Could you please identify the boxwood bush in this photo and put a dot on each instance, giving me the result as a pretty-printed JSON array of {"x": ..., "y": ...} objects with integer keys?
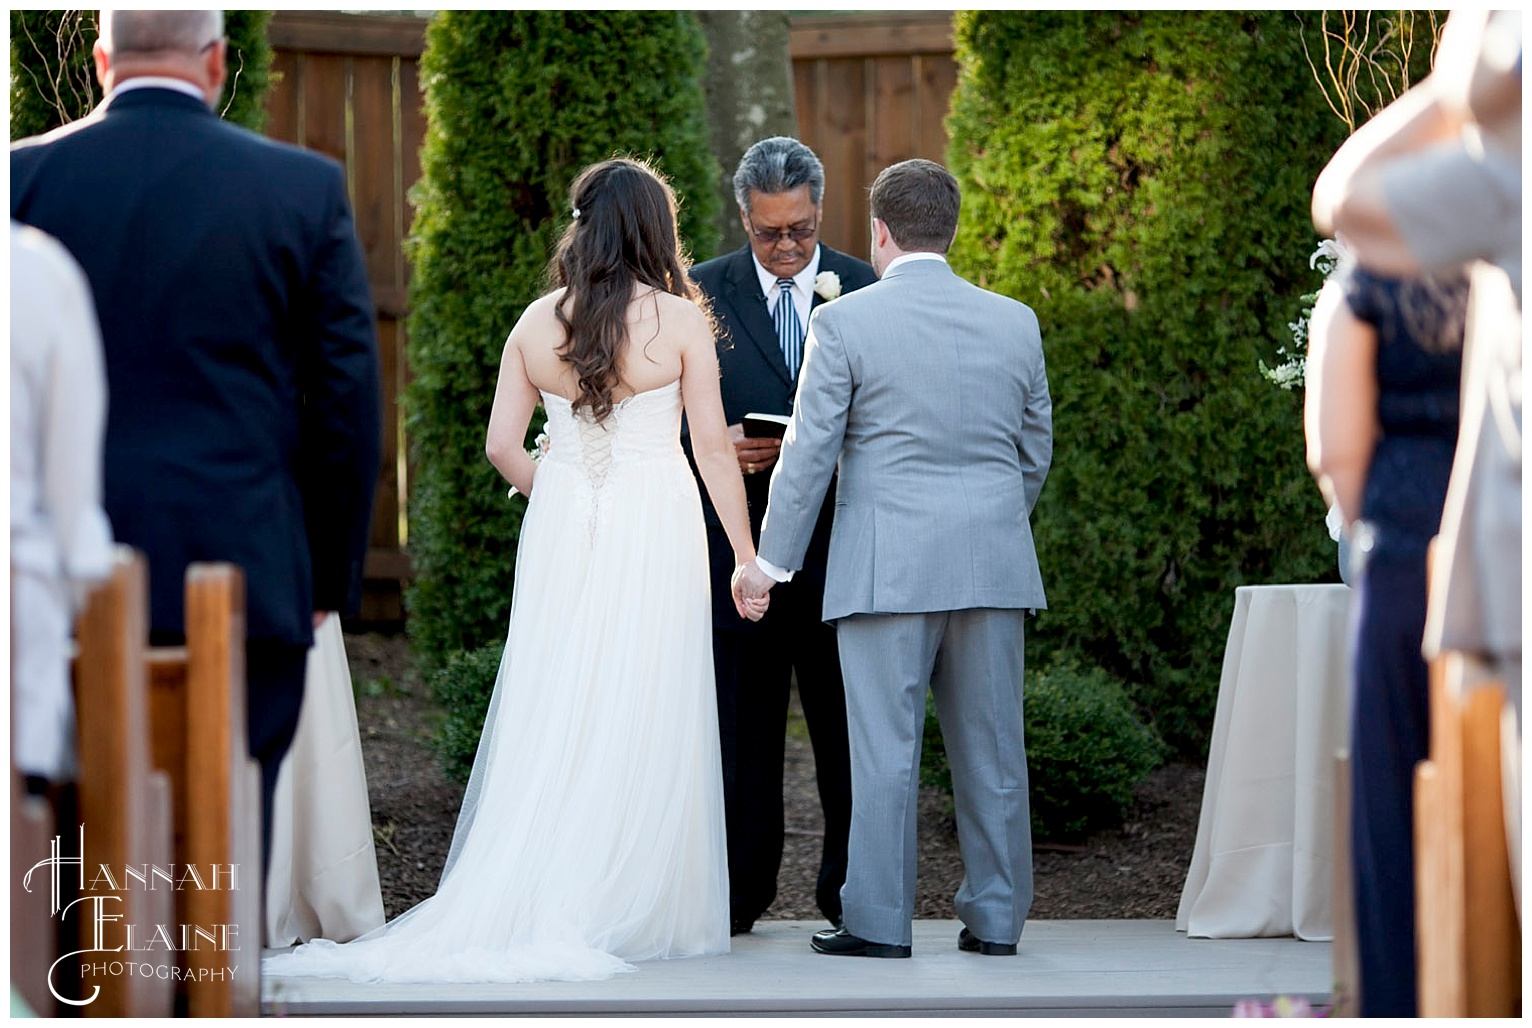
[
  {"x": 1087, "y": 751},
  {"x": 1142, "y": 179},
  {"x": 462, "y": 685},
  {"x": 517, "y": 103}
]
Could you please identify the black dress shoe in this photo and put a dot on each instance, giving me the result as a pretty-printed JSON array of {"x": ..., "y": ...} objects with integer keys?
[
  {"x": 837, "y": 942},
  {"x": 740, "y": 927},
  {"x": 968, "y": 942}
]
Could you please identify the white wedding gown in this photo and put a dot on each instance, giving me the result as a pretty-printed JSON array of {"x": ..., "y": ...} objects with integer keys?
[{"x": 592, "y": 830}]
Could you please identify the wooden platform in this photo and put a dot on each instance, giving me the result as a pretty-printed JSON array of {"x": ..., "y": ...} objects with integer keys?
[{"x": 1063, "y": 968}]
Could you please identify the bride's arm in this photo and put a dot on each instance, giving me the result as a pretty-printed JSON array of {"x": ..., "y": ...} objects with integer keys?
[
  {"x": 515, "y": 400},
  {"x": 711, "y": 446}
]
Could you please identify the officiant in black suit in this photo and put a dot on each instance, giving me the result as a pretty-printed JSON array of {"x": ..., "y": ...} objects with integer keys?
[
  {"x": 242, "y": 369},
  {"x": 762, "y": 295}
]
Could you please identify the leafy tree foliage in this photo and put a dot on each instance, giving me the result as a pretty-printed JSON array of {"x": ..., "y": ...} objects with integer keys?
[
  {"x": 1142, "y": 179},
  {"x": 53, "y": 77},
  {"x": 517, "y": 103}
]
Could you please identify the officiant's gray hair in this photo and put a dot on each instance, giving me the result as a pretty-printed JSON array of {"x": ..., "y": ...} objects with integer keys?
[
  {"x": 778, "y": 165},
  {"x": 142, "y": 32}
]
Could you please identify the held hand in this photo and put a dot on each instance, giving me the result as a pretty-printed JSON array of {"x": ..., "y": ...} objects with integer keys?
[
  {"x": 751, "y": 588},
  {"x": 755, "y": 455},
  {"x": 319, "y": 616}
]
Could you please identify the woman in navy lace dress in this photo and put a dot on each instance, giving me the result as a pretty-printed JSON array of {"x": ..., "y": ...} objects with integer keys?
[{"x": 1381, "y": 418}]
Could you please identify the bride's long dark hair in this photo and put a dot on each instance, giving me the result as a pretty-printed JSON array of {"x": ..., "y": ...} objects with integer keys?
[{"x": 623, "y": 235}]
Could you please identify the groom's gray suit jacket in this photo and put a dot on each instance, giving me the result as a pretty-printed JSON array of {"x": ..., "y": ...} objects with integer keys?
[{"x": 932, "y": 395}]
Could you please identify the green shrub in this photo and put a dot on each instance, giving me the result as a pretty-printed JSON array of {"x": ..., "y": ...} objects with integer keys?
[
  {"x": 517, "y": 103},
  {"x": 53, "y": 78},
  {"x": 1142, "y": 179},
  {"x": 1087, "y": 752},
  {"x": 462, "y": 685}
]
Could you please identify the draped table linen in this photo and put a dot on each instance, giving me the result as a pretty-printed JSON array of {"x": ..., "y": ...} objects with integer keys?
[{"x": 1263, "y": 863}]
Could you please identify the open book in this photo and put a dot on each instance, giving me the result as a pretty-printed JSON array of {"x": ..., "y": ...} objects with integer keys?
[{"x": 765, "y": 426}]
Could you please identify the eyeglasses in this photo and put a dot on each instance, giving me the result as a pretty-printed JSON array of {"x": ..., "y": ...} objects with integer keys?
[
  {"x": 771, "y": 237},
  {"x": 208, "y": 46}
]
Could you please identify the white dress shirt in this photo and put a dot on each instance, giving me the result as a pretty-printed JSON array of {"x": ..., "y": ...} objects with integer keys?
[
  {"x": 158, "y": 82},
  {"x": 803, "y": 286}
]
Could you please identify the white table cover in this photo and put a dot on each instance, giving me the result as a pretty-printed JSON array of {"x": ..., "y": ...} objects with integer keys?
[
  {"x": 323, "y": 880},
  {"x": 1263, "y": 861}
]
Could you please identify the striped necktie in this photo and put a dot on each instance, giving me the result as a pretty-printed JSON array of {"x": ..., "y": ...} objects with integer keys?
[{"x": 789, "y": 329}]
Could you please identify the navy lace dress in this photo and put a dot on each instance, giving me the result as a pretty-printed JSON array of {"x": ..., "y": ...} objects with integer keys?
[{"x": 1419, "y": 329}]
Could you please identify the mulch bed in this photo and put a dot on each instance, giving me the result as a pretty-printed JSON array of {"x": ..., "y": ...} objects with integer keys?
[{"x": 1134, "y": 871}]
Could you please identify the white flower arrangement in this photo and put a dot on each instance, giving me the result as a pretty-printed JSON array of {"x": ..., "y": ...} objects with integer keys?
[
  {"x": 827, "y": 284},
  {"x": 1290, "y": 373},
  {"x": 538, "y": 451}
]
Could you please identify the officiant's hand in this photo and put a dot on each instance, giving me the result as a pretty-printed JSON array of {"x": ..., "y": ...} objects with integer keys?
[{"x": 755, "y": 455}]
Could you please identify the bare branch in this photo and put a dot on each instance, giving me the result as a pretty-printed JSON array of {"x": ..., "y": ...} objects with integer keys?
[{"x": 1366, "y": 63}]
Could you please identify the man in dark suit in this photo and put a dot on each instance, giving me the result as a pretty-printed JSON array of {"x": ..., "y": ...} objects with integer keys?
[
  {"x": 241, "y": 358},
  {"x": 762, "y": 295}
]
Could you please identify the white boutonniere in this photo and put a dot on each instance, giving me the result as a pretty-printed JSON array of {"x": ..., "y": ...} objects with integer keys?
[
  {"x": 827, "y": 284},
  {"x": 538, "y": 451}
]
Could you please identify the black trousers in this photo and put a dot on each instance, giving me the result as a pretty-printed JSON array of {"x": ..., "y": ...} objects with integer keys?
[
  {"x": 754, "y": 666},
  {"x": 274, "y": 674}
]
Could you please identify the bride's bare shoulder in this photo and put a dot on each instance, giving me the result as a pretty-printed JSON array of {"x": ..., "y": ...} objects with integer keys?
[
  {"x": 539, "y": 316},
  {"x": 543, "y": 306},
  {"x": 682, "y": 314}
]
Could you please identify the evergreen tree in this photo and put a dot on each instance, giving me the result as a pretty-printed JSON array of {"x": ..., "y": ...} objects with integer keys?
[{"x": 1142, "y": 179}]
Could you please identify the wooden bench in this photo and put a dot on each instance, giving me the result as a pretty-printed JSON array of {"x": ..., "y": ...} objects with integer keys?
[
  {"x": 124, "y": 803},
  {"x": 33, "y": 925},
  {"x": 1468, "y": 934},
  {"x": 170, "y": 800},
  {"x": 199, "y": 738}
]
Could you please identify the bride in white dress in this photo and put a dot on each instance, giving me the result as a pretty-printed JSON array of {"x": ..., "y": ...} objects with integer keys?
[{"x": 592, "y": 831}]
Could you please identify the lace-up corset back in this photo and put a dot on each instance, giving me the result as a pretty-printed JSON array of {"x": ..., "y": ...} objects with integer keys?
[{"x": 642, "y": 428}]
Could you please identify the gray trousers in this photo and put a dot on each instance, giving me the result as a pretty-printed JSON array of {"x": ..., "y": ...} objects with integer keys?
[{"x": 972, "y": 662}]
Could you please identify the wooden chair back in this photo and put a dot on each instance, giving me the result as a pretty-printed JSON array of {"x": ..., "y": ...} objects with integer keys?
[
  {"x": 199, "y": 739},
  {"x": 1467, "y": 931},
  {"x": 124, "y": 804}
]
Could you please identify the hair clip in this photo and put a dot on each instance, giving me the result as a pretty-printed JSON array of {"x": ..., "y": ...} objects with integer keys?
[{"x": 576, "y": 214}]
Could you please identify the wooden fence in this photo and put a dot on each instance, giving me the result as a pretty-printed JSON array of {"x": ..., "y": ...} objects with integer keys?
[{"x": 871, "y": 89}]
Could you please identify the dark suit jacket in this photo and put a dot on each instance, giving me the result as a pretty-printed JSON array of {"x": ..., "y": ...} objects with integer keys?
[
  {"x": 241, "y": 354},
  {"x": 755, "y": 380}
]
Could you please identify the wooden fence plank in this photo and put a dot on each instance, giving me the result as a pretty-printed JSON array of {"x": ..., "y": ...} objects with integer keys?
[
  {"x": 282, "y": 98},
  {"x": 384, "y": 534},
  {"x": 323, "y": 100},
  {"x": 370, "y": 99},
  {"x": 856, "y": 35},
  {"x": 836, "y": 130},
  {"x": 330, "y": 32},
  {"x": 937, "y": 78},
  {"x": 894, "y": 112}
]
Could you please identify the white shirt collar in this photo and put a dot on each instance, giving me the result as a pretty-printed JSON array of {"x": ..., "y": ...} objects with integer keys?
[
  {"x": 919, "y": 255},
  {"x": 159, "y": 82}
]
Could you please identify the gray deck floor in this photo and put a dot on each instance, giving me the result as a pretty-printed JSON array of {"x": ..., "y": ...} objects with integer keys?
[{"x": 1063, "y": 968}]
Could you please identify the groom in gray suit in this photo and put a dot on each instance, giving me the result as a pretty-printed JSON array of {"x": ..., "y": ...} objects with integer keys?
[{"x": 931, "y": 396}]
